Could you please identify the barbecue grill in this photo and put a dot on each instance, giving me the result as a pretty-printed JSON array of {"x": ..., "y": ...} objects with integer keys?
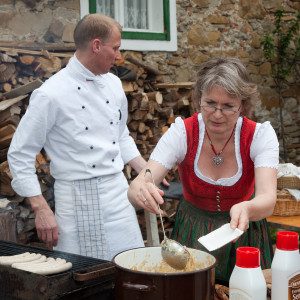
[{"x": 89, "y": 278}]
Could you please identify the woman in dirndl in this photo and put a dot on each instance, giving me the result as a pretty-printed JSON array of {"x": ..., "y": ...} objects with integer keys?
[{"x": 227, "y": 164}]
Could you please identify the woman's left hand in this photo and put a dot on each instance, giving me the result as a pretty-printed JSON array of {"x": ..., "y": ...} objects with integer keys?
[
  {"x": 259, "y": 207},
  {"x": 239, "y": 214}
]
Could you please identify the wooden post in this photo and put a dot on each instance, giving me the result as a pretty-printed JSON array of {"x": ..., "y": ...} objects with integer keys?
[
  {"x": 8, "y": 225},
  {"x": 152, "y": 229}
]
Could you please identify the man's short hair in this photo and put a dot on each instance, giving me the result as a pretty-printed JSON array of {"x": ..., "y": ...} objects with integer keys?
[{"x": 94, "y": 26}]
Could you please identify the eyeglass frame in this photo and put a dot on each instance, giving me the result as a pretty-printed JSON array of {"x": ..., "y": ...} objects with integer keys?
[{"x": 221, "y": 109}]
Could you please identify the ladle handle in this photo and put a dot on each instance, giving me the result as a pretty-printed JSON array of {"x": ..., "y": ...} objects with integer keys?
[{"x": 161, "y": 220}]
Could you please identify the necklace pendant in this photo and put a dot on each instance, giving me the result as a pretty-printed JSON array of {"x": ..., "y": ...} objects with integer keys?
[{"x": 217, "y": 160}]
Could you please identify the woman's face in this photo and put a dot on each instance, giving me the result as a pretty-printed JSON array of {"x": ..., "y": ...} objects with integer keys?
[{"x": 217, "y": 121}]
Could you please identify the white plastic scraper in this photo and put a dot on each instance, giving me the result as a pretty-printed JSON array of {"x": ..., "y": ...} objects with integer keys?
[{"x": 220, "y": 237}]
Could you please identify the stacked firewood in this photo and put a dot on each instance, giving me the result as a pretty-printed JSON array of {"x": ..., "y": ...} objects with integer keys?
[{"x": 152, "y": 105}]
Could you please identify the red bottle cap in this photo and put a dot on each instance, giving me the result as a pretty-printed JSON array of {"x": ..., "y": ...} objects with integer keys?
[
  {"x": 287, "y": 240},
  {"x": 247, "y": 257}
]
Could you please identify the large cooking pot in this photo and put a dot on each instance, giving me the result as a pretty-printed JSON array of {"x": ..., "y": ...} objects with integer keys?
[{"x": 147, "y": 285}]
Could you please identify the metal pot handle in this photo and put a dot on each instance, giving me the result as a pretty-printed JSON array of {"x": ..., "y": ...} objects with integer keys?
[
  {"x": 139, "y": 287},
  {"x": 106, "y": 269}
]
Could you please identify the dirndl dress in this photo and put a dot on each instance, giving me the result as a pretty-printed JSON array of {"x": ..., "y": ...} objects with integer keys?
[
  {"x": 193, "y": 222},
  {"x": 206, "y": 207}
]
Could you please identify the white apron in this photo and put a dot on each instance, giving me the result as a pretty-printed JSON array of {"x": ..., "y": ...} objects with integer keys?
[{"x": 80, "y": 226}]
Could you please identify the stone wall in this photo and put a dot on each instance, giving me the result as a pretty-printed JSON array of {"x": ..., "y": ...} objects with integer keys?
[{"x": 206, "y": 28}]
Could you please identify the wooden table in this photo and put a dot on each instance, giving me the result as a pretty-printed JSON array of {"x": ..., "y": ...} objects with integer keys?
[{"x": 289, "y": 223}]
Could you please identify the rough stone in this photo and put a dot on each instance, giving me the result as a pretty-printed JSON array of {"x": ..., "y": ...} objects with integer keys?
[
  {"x": 72, "y": 4},
  {"x": 269, "y": 97},
  {"x": 197, "y": 36},
  {"x": 290, "y": 129},
  {"x": 55, "y": 32},
  {"x": 175, "y": 61},
  {"x": 213, "y": 19},
  {"x": 296, "y": 6},
  {"x": 68, "y": 33},
  {"x": 227, "y": 5},
  {"x": 291, "y": 91},
  {"x": 229, "y": 52},
  {"x": 291, "y": 104},
  {"x": 251, "y": 9},
  {"x": 213, "y": 37},
  {"x": 197, "y": 57},
  {"x": 6, "y": 18},
  {"x": 256, "y": 41},
  {"x": 252, "y": 69},
  {"x": 291, "y": 79},
  {"x": 57, "y": 28},
  {"x": 223, "y": 2},
  {"x": 243, "y": 55},
  {"x": 182, "y": 74},
  {"x": 32, "y": 23},
  {"x": 265, "y": 68},
  {"x": 256, "y": 55},
  {"x": 271, "y": 4},
  {"x": 201, "y": 3}
]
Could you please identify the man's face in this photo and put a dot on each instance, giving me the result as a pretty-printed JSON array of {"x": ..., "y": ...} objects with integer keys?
[{"x": 109, "y": 51}]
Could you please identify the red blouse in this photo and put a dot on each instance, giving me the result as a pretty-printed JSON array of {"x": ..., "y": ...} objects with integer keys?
[{"x": 216, "y": 197}]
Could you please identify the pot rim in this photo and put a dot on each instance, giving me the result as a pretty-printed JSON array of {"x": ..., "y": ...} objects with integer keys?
[{"x": 211, "y": 267}]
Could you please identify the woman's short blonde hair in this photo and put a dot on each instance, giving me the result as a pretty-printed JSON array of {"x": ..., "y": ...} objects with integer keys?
[{"x": 230, "y": 74}]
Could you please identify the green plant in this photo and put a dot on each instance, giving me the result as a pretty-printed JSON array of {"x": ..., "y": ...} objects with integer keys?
[
  {"x": 282, "y": 49},
  {"x": 273, "y": 233}
]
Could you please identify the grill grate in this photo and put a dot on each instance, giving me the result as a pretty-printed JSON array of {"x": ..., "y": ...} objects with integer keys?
[{"x": 78, "y": 261}]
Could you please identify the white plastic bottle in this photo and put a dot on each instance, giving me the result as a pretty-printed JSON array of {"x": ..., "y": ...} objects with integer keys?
[
  {"x": 286, "y": 267},
  {"x": 247, "y": 281}
]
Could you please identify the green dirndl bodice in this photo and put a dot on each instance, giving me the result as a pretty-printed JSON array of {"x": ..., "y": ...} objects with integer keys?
[{"x": 192, "y": 222}]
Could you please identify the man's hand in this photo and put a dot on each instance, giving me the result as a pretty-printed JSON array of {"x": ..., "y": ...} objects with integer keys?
[{"x": 45, "y": 222}]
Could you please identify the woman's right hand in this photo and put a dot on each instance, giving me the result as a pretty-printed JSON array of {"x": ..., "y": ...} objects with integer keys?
[
  {"x": 143, "y": 191},
  {"x": 149, "y": 196}
]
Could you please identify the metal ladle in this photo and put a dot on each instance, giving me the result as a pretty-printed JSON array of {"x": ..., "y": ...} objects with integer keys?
[{"x": 172, "y": 252}]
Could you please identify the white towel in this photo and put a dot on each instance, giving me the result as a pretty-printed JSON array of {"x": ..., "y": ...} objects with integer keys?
[
  {"x": 295, "y": 193},
  {"x": 89, "y": 218}
]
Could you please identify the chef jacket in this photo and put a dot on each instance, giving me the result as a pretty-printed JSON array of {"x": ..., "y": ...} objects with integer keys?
[{"x": 80, "y": 120}]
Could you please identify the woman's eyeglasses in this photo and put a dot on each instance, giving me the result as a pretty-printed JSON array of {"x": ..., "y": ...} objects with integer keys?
[{"x": 227, "y": 111}]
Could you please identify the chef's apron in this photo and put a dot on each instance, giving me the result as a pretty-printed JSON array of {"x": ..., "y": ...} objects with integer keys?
[{"x": 95, "y": 218}]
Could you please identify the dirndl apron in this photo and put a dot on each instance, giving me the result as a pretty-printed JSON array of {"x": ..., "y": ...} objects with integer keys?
[
  {"x": 95, "y": 218},
  {"x": 192, "y": 223}
]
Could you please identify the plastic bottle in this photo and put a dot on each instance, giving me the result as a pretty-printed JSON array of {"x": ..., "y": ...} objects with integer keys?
[
  {"x": 247, "y": 280},
  {"x": 286, "y": 267}
]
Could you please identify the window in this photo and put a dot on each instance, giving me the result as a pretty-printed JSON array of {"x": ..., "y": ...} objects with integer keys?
[{"x": 147, "y": 24}]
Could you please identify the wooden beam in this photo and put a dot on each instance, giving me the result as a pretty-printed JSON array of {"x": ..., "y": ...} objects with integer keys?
[
  {"x": 24, "y": 89},
  {"x": 152, "y": 229},
  {"x": 32, "y": 52},
  {"x": 186, "y": 85},
  {"x": 5, "y": 141},
  {"x": 8, "y": 103},
  {"x": 142, "y": 64},
  {"x": 7, "y": 130},
  {"x": 40, "y": 46}
]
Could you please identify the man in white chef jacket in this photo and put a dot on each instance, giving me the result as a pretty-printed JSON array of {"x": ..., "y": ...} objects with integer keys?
[{"x": 79, "y": 117}]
